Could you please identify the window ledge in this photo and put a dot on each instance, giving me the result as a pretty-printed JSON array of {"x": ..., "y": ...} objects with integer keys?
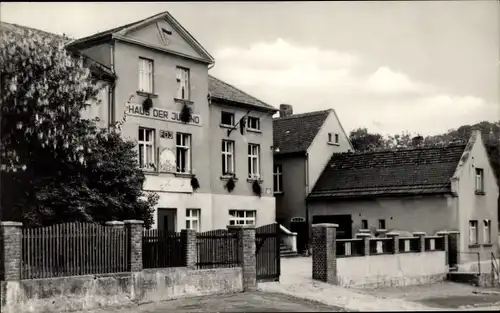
[
  {"x": 480, "y": 193},
  {"x": 227, "y": 126},
  {"x": 150, "y": 172},
  {"x": 184, "y": 175},
  {"x": 474, "y": 245},
  {"x": 147, "y": 94},
  {"x": 251, "y": 180},
  {"x": 253, "y": 130},
  {"x": 333, "y": 144},
  {"x": 184, "y": 101},
  {"x": 227, "y": 177},
  {"x": 487, "y": 244},
  {"x": 279, "y": 193}
]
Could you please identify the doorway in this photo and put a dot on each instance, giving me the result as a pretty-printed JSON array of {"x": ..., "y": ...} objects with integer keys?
[
  {"x": 344, "y": 231},
  {"x": 167, "y": 219}
]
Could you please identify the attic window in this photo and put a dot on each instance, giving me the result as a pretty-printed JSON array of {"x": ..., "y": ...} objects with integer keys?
[
  {"x": 166, "y": 31},
  {"x": 333, "y": 138}
]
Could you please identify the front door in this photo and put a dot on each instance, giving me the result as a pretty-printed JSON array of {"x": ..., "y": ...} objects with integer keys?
[
  {"x": 344, "y": 231},
  {"x": 167, "y": 219}
]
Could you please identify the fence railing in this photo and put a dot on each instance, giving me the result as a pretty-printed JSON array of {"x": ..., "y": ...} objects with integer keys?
[
  {"x": 217, "y": 248},
  {"x": 161, "y": 248},
  {"x": 409, "y": 244},
  {"x": 350, "y": 247},
  {"x": 73, "y": 249},
  {"x": 381, "y": 246},
  {"x": 434, "y": 243}
]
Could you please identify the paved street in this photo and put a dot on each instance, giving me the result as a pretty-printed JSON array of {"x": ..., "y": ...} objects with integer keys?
[{"x": 240, "y": 302}]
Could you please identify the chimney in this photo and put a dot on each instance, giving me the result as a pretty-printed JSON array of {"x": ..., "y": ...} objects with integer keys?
[
  {"x": 417, "y": 141},
  {"x": 286, "y": 110}
]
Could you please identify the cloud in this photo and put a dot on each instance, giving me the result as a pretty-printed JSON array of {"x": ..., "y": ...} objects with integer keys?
[
  {"x": 384, "y": 80},
  {"x": 381, "y": 99}
]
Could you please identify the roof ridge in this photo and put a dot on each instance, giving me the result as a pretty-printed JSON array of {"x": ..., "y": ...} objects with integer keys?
[
  {"x": 451, "y": 145},
  {"x": 238, "y": 89},
  {"x": 302, "y": 114}
]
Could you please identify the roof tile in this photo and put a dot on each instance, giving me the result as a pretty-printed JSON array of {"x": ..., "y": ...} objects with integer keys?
[
  {"x": 409, "y": 171},
  {"x": 295, "y": 133}
]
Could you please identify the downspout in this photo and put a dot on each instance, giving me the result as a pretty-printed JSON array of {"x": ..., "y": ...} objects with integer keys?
[
  {"x": 112, "y": 89},
  {"x": 307, "y": 206}
]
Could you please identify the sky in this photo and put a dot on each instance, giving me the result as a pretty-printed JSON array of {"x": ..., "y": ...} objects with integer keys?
[{"x": 390, "y": 66}]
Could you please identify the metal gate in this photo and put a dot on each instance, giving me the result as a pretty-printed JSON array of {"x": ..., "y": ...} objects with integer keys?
[{"x": 267, "y": 252}]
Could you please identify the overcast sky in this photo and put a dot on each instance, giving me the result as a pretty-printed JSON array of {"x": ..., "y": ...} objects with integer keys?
[{"x": 419, "y": 66}]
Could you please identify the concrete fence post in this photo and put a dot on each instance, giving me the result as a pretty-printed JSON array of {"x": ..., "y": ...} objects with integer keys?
[
  {"x": 421, "y": 235},
  {"x": 446, "y": 243},
  {"x": 324, "y": 265},
  {"x": 366, "y": 241},
  {"x": 395, "y": 241},
  {"x": 190, "y": 247},
  {"x": 11, "y": 235},
  {"x": 246, "y": 241},
  {"x": 135, "y": 229}
]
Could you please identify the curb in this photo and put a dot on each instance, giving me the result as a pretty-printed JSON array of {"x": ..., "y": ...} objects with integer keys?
[{"x": 487, "y": 292}]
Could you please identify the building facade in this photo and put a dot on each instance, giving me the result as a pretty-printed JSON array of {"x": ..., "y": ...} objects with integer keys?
[
  {"x": 451, "y": 188},
  {"x": 162, "y": 90}
]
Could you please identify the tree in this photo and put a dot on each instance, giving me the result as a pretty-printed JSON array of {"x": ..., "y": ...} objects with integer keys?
[
  {"x": 56, "y": 166},
  {"x": 362, "y": 140}
]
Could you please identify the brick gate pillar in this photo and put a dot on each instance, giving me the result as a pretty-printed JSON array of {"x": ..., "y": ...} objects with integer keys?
[
  {"x": 324, "y": 258},
  {"x": 11, "y": 235},
  {"x": 246, "y": 242},
  {"x": 190, "y": 247},
  {"x": 366, "y": 242},
  {"x": 135, "y": 228},
  {"x": 395, "y": 241}
]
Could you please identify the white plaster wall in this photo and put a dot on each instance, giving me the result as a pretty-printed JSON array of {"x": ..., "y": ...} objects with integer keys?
[
  {"x": 221, "y": 204},
  {"x": 321, "y": 151},
  {"x": 391, "y": 270},
  {"x": 183, "y": 201}
]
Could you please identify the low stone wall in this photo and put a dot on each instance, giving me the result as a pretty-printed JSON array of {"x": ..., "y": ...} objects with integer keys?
[
  {"x": 392, "y": 270},
  {"x": 90, "y": 292}
]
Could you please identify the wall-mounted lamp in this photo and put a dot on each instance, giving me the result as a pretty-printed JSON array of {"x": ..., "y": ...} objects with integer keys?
[{"x": 275, "y": 149}]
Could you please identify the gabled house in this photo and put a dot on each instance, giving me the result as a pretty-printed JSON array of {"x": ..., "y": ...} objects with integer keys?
[
  {"x": 156, "y": 73},
  {"x": 303, "y": 144},
  {"x": 432, "y": 189}
]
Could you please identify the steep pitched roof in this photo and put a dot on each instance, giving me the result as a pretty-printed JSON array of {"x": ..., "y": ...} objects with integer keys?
[
  {"x": 399, "y": 172},
  {"x": 123, "y": 30},
  {"x": 99, "y": 70},
  {"x": 222, "y": 91},
  {"x": 295, "y": 133}
]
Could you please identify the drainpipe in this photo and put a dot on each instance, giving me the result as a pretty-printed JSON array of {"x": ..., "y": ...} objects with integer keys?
[
  {"x": 112, "y": 52},
  {"x": 307, "y": 206}
]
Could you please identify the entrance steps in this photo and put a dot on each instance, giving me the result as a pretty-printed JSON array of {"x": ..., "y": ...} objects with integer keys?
[{"x": 286, "y": 251}]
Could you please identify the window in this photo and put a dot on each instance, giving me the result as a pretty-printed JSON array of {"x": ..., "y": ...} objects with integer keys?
[
  {"x": 147, "y": 148},
  {"x": 193, "y": 219},
  {"x": 479, "y": 180},
  {"x": 239, "y": 217},
  {"x": 227, "y": 118},
  {"x": 183, "y": 147},
  {"x": 364, "y": 224},
  {"x": 381, "y": 224},
  {"x": 253, "y": 160},
  {"x": 331, "y": 137},
  {"x": 253, "y": 123},
  {"x": 227, "y": 157},
  {"x": 182, "y": 77},
  {"x": 278, "y": 178},
  {"x": 472, "y": 232},
  {"x": 487, "y": 231},
  {"x": 145, "y": 75}
]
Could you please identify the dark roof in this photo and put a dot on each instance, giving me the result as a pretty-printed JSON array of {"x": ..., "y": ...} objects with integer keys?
[
  {"x": 222, "y": 91},
  {"x": 99, "y": 70},
  {"x": 399, "y": 172},
  {"x": 295, "y": 133}
]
